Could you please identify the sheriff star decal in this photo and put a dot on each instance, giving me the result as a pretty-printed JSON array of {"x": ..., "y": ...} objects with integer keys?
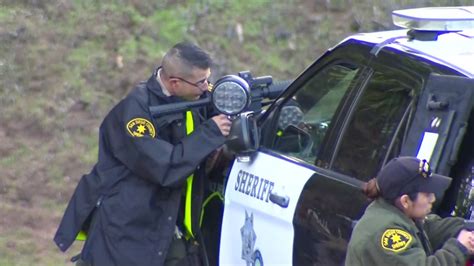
[
  {"x": 139, "y": 127},
  {"x": 395, "y": 240}
]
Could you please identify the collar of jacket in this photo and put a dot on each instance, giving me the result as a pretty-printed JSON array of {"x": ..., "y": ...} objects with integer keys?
[
  {"x": 383, "y": 204},
  {"x": 153, "y": 86}
]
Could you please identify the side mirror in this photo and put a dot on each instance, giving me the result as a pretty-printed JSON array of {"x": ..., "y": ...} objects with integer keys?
[{"x": 244, "y": 136}]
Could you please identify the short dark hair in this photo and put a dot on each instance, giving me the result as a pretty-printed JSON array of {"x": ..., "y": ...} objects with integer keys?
[
  {"x": 192, "y": 54},
  {"x": 183, "y": 57}
]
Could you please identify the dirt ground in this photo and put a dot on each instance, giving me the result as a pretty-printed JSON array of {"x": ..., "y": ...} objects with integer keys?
[{"x": 31, "y": 200}]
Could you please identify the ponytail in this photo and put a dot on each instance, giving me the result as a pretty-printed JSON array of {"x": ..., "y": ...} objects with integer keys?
[{"x": 371, "y": 189}]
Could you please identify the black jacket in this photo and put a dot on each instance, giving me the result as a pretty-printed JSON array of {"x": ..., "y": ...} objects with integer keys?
[{"x": 131, "y": 198}]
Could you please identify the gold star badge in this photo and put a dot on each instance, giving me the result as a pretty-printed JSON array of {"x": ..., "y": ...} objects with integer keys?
[
  {"x": 395, "y": 240},
  {"x": 139, "y": 127}
]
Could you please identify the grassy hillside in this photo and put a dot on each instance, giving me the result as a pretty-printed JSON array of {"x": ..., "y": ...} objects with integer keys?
[{"x": 64, "y": 63}]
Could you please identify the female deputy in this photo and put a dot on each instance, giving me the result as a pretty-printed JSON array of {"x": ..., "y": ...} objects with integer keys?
[{"x": 395, "y": 228}]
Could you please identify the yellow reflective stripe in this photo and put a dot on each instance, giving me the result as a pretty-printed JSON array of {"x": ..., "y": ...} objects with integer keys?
[
  {"x": 82, "y": 236},
  {"x": 189, "y": 184},
  {"x": 189, "y": 122},
  {"x": 213, "y": 195},
  {"x": 187, "y": 210}
]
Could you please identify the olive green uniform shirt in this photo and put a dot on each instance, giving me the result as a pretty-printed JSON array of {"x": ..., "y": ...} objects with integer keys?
[{"x": 386, "y": 236}]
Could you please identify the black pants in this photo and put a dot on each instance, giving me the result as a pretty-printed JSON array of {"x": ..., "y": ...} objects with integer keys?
[
  {"x": 180, "y": 253},
  {"x": 80, "y": 262},
  {"x": 183, "y": 253}
]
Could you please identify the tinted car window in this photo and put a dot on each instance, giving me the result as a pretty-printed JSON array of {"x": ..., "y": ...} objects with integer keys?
[
  {"x": 373, "y": 123},
  {"x": 304, "y": 120}
]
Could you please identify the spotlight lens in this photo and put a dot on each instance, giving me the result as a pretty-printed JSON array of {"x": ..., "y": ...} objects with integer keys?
[{"x": 230, "y": 95}]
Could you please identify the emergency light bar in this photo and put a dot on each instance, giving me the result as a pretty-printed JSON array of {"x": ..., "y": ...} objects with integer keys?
[{"x": 435, "y": 18}]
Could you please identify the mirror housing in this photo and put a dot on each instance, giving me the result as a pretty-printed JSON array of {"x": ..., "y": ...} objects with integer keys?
[{"x": 243, "y": 138}]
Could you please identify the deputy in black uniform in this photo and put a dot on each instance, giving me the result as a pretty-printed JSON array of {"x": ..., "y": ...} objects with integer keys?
[
  {"x": 146, "y": 189},
  {"x": 396, "y": 228}
]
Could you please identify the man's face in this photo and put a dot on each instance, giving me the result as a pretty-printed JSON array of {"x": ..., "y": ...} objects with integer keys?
[
  {"x": 421, "y": 207},
  {"x": 192, "y": 86}
]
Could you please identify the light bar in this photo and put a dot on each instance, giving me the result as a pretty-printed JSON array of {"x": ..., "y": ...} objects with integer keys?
[{"x": 435, "y": 18}]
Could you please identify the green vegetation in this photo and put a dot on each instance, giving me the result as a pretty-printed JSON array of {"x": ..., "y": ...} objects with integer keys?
[{"x": 64, "y": 64}]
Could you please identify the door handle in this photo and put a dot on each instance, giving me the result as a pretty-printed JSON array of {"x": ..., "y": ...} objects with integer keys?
[{"x": 281, "y": 201}]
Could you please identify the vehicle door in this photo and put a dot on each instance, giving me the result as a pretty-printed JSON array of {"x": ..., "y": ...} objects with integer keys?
[
  {"x": 262, "y": 193},
  {"x": 440, "y": 121},
  {"x": 437, "y": 132}
]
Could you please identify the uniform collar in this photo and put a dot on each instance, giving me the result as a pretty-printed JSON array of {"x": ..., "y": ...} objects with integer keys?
[
  {"x": 381, "y": 203},
  {"x": 154, "y": 86},
  {"x": 160, "y": 82}
]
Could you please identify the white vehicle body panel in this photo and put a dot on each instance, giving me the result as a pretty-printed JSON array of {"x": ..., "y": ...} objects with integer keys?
[{"x": 273, "y": 224}]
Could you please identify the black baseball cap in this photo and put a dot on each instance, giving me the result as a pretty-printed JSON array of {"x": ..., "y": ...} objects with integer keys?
[{"x": 407, "y": 175}]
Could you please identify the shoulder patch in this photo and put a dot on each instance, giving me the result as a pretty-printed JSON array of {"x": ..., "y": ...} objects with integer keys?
[
  {"x": 139, "y": 127},
  {"x": 395, "y": 240}
]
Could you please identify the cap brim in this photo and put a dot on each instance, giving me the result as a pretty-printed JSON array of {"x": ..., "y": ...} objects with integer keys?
[{"x": 436, "y": 184}]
